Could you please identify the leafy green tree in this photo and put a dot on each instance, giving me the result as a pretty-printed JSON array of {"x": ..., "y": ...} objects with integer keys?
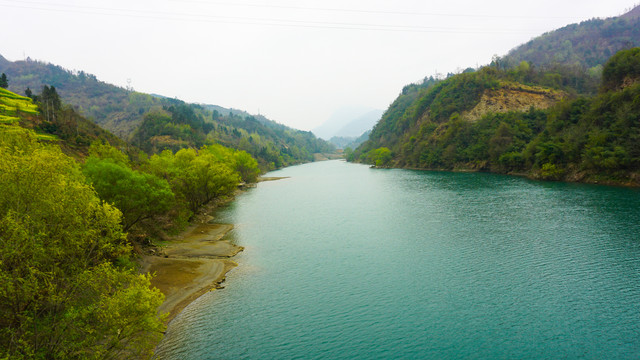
[
  {"x": 137, "y": 195},
  {"x": 380, "y": 157},
  {"x": 61, "y": 294},
  {"x": 104, "y": 151},
  {"x": 246, "y": 166},
  {"x": 200, "y": 178},
  {"x": 196, "y": 177}
]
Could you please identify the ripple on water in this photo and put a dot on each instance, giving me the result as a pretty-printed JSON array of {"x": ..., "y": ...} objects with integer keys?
[{"x": 343, "y": 262}]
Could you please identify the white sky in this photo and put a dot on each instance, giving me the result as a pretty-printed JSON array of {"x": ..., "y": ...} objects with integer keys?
[{"x": 296, "y": 62}]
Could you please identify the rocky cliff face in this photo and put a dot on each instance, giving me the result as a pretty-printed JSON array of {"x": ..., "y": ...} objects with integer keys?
[{"x": 513, "y": 97}]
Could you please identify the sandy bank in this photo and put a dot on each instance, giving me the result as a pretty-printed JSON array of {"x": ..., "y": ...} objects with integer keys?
[
  {"x": 272, "y": 178},
  {"x": 192, "y": 264}
]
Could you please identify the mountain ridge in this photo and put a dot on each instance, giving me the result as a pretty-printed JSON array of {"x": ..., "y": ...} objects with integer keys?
[{"x": 587, "y": 44}]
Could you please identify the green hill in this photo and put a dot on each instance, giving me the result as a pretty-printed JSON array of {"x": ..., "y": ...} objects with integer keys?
[
  {"x": 490, "y": 121},
  {"x": 154, "y": 123},
  {"x": 585, "y": 45},
  {"x": 553, "y": 108}
]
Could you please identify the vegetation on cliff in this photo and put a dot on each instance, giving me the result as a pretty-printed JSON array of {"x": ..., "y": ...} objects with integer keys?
[{"x": 581, "y": 138}]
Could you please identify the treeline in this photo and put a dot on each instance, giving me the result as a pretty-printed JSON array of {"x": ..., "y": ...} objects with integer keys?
[
  {"x": 587, "y": 138},
  {"x": 174, "y": 184},
  {"x": 177, "y": 180}
]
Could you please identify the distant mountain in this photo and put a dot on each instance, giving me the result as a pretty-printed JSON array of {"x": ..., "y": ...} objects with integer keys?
[
  {"x": 348, "y": 122},
  {"x": 343, "y": 142},
  {"x": 588, "y": 44},
  {"x": 359, "y": 125},
  {"x": 155, "y": 122}
]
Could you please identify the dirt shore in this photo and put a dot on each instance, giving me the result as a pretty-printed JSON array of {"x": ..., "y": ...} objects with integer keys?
[{"x": 191, "y": 265}]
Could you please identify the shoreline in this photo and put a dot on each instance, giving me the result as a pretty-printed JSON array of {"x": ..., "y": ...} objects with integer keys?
[
  {"x": 195, "y": 261},
  {"x": 571, "y": 178},
  {"x": 192, "y": 264}
]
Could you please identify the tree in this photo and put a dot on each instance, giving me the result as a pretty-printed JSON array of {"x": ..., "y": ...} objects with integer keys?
[
  {"x": 137, "y": 195},
  {"x": 196, "y": 177},
  {"x": 50, "y": 102},
  {"x": 62, "y": 292},
  {"x": 4, "y": 82},
  {"x": 380, "y": 157},
  {"x": 200, "y": 178},
  {"x": 246, "y": 166},
  {"x": 102, "y": 150}
]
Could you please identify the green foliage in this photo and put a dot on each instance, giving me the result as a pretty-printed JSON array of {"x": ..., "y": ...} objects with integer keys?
[
  {"x": 4, "y": 82},
  {"x": 587, "y": 44},
  {"x": 137, "y": 195},
  {"x": 625, "y": 65},
  {"x": 105, "y": 151},
  {"x": 379, "y": 157},
  {"x": 590, "y": 137},
  {"x": 246, "y": 166},
  {"x": 181, "y": 125},
  {"x": 12, "y": 104},
  {"x": 197, "y": 177},
  {"x": 61, "y": 296},
  {"x": 550, "y": 171},
  {"x": 57, "y": 123}
]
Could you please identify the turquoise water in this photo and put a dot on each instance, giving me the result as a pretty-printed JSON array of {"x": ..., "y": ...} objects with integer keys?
[{"x": 347, "y": 262}]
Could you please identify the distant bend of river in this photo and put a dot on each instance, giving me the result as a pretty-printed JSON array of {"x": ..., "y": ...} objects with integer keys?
[{"x": 346, "y": 262}]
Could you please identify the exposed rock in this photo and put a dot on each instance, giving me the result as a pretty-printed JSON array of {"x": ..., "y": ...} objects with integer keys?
[{"x": 513, "y": 97}]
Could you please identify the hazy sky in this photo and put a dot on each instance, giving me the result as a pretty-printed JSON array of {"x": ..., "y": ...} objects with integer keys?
[{"x": 296, "y": 62}]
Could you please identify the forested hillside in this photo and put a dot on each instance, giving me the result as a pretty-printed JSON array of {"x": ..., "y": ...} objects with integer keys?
[
  {"x": 580, "y": 138},
  {"x": 155, "y": 123},
  {"x": 582, "y": 46},
  {"x": 551, "y": 109},
  {"x": 179, "y": 125}
]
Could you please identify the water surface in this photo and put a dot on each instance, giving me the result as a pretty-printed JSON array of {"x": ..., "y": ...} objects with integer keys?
[{"x": 344, "y": 262}]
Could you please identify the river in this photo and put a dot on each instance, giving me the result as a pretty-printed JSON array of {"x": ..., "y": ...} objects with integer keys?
[{"x": 346, "y": 262}]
